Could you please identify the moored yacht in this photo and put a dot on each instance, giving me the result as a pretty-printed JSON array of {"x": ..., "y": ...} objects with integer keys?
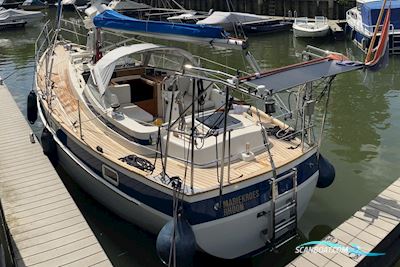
[
  {"x": 155, "y": 136},
  {"x": 362, "y": 19}
]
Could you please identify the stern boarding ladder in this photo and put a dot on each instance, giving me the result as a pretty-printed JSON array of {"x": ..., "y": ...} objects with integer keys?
[{"x": 283, "y": 219}]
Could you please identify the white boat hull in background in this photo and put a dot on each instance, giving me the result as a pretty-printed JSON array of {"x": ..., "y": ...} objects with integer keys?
[
  {"x": 228, "y": 20},
  {"x": 302, "y": 27},
  {"x": 10, "y": 15},
  {"x": 307, "y": 33}
]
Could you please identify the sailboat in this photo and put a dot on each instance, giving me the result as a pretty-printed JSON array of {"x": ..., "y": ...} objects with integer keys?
[
  {"x": 101, "y": 16},
  {"x": 161, "y": 140}
]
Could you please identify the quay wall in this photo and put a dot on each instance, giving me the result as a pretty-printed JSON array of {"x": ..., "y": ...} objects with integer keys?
[{"x": 333, "y": 9}]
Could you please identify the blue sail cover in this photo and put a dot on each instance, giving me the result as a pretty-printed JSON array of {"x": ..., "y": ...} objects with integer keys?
[{"x": 113, "y": 20}]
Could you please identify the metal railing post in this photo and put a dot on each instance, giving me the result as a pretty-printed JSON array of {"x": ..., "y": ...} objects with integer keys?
[
  {"x": 80, "y": 121},
  {"x": 229, "y": 156},
  {"x": 192, "y": 137}
]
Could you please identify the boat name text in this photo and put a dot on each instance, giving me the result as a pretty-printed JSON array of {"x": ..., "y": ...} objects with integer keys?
[{"x": 237, "y": 204}]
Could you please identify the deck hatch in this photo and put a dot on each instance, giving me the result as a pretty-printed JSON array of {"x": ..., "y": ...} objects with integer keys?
[{"x": 215, "y": 121}]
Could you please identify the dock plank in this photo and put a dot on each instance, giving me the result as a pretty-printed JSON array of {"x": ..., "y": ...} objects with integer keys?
[
  {"x": 375, "y": 227},
  {"x": 45, "y": 225},
  {"x": 57, "y": 252},
  {"x": 34, "y": 250},
  {"x": 87, "y": 261},
  {"x": 64, "y": 259}
]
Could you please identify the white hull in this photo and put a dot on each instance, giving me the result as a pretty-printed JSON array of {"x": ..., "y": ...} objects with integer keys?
[
  {"x": 303, "y": 32},
  {"x": 241, "y": 233},
  {"x": 219, "y": 238}
]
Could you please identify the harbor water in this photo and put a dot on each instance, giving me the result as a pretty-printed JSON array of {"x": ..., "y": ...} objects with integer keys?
[{"x": 361, "y": 140}]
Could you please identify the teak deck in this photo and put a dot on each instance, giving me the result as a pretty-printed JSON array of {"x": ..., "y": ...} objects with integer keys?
[
  {"x": 46, "y": 227},
  {"x": 375, "y": 228},
  {"x": 66, "y": 113}
]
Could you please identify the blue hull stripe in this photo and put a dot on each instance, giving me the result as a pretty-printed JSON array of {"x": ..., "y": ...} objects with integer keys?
[{"x": 201, "y": 211}]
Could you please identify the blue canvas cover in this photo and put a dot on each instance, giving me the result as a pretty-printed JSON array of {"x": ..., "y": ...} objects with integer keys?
[
  {"x": 113, "y": 20},
  {"x": 370, "y": 13}
]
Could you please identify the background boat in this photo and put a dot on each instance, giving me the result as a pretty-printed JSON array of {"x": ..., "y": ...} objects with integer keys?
[
  {"x": 265, "y": 26},
  {"x": 12, "y": 24},
  {"x": 10, "y": 3},
  {"x": 10, "y": 15},
  {"x": 361, "y": 21},
  {"x": 33, "y": 5},
  {"x": 229, "y": 20},
  {"x": 302, "y": 27}
]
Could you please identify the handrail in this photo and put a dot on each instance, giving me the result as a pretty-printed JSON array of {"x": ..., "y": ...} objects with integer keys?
[
  {"x": 39, "y": 46},
  {"x": 220, "y": 64}
]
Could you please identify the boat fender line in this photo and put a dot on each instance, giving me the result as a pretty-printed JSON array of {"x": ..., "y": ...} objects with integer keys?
[
  {"x": 138, "y": 162},
  {"x": 200, "y": 92},
  {"x": 32, "y": 109},
  {"x": 183, "y": 240},
  {"x": 49, "y": 145},
  {"x": 326, "y": 173}
]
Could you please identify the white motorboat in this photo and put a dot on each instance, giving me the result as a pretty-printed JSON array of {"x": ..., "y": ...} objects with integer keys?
[
  {"x": 159, "y": 140},
  {"x": 12, "y": 15},
  {"x": 302, "y": 27}
]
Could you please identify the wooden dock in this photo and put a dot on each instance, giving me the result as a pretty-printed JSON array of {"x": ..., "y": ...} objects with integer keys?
[
  {"x": 45, "y": 226},
  {"x": 374, "y": 228}
]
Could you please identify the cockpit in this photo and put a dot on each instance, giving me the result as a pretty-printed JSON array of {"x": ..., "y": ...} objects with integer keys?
[{"x": 137, "y": 85}]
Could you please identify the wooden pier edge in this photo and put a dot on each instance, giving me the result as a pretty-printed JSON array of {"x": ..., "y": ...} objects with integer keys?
[
  {"x": 375, "y": 228},
  {"x": 43, "y": 223}
]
